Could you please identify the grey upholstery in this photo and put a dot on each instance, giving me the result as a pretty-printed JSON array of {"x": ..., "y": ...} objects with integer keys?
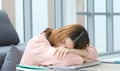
[
  {"x": 8, "y": 35},
  {"x": 13, "y": 57},
  {"x": 3, "y": 52}
]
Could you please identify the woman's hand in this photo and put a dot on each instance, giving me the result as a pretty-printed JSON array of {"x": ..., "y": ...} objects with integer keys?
[{"x": 61, "y": 52}]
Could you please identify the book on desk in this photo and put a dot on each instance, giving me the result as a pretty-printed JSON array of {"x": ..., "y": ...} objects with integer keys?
[
  {"x": 30, "y": 68},
  {"x": 115, "y": 60}
]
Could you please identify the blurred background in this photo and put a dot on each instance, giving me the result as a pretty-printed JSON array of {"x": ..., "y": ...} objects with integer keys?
[{"x": 101, "y": 19}]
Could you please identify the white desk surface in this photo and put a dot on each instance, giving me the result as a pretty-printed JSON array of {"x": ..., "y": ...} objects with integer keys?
[
  {"x": 104, "y": 67},
  {"x": 101, "y": 67}
]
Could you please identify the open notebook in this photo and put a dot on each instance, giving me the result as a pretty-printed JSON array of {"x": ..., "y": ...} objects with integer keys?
[
  {"x": 30, "y": 68},
  {"x": 77, "y": 66},
  {"x": 111, "y": 60}
]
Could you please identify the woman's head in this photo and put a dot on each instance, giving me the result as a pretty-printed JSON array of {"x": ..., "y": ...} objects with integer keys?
[{"x": 75, "y": 33}]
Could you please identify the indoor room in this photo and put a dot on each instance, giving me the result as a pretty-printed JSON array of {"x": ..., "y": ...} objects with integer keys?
[{"x": 26, "y": 26}]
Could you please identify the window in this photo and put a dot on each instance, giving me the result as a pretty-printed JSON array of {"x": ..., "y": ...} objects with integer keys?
[
  {"x": 39, "y": 16},
  {"x": 117, "y": 32},
  {"x": 100, "y": 33},
  {"x": 116, "y": 21},
  {"x": 19, "y": 19},
  {"x": 100, "y": 5},
  {"x": 102, "y": 23},
  {"x": 116, "y": 5},
  {"x": 82, "y": 19},
  {"x": 31, "y": 17},
  {"x": 82, "y": 12}
]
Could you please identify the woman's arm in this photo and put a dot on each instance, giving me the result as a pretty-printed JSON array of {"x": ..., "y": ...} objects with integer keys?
[
  {"x": 90, "y": 53},
  {"x": 81, "y": 52},
  {"x": 62, "y": 51},
  {"x": 71, "y": 59}
]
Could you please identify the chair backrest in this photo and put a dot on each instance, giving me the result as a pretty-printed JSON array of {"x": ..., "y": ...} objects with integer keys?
[{"x": 8, "y": 34}]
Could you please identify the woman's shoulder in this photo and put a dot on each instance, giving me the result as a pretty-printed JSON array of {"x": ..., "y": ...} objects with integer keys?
[{"x": 39, "y": 38}]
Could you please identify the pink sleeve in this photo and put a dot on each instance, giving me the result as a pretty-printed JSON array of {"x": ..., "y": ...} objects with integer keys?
[
  {"x": 71, "y": 59},
  {"x": 38, "y": 41},
  {"x": 92, "y": 53}
]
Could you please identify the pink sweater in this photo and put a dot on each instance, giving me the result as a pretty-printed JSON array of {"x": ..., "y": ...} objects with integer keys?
[{"x": 40, "y": 52}]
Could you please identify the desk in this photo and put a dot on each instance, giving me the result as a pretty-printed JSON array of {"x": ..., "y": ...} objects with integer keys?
[{"x": 101, "y": 67}]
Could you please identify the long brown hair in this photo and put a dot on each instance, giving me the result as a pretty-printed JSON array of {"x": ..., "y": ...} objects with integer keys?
[{"x": 75, "y": 32}]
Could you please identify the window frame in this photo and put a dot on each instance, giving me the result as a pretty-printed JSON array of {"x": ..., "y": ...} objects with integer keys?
[{"x": 109, "y": 23}]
